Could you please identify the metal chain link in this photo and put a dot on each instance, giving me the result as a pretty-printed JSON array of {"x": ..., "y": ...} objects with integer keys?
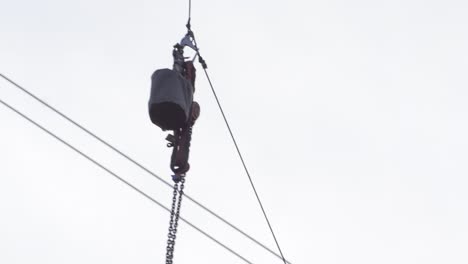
[
  {"x": 179, "y": 183},
  {"x": 174, "y": 221},
  {"x": 177, "y": 195}
]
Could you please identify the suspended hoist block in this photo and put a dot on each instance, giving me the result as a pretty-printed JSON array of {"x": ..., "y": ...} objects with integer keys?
[{"x": 170, "y": 100}]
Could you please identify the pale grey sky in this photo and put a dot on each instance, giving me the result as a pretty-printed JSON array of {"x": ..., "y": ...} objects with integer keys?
[{"x": 352, "y": 117}]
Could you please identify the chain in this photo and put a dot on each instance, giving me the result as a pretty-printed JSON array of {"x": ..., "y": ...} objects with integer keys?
[
  {"x": 177, "y": 194},
  {"x": 174, "y": 221}
]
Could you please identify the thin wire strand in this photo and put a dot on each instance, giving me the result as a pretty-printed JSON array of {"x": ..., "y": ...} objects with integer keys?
[
  {"x": 190, "y": 10},
  {"x": 138, "y": 164},
  {"x": 121, "y": 179},
  {"x": 204, "y": 66},
  {"x": 243, "y": 163}
]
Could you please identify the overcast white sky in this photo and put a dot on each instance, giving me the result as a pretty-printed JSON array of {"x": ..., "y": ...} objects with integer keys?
[{"x": 352, "y": 116}]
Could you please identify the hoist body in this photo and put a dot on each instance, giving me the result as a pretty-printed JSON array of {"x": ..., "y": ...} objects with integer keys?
[
  {"x": 171, "y": 99},
  {"x": 171, "y": 105}
]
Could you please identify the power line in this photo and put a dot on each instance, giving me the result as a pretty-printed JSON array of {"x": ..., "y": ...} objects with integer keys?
[
  {"x": 121, "y": 179},
  {"x": 138, "y": 164},
  {"x": 243, "y": 163}
]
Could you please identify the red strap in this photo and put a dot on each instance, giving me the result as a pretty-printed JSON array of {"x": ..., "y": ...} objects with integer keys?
[{"x": 190, "y": 73}]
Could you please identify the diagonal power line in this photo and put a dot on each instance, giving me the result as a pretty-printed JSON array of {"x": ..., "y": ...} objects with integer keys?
[
  {"x": 139, "y": 165},
  {"x": 122, "y": 180}
]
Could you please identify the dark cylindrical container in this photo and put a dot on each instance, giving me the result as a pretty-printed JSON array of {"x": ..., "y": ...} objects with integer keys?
[{"x": 170, "y": 100}]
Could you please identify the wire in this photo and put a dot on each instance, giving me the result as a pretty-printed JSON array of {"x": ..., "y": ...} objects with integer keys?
[
  {"x": 190, "y": 10},
  {"x": 204, "y": 66},
  {"x": 121, "y": 179},
  {"x": 243, "y": 163},
  {"x": 137, "y": 164}
]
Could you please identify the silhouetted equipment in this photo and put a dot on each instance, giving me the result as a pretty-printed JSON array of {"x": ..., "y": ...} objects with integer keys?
[
  {"x": 171, "y": 107},
  {"x": 171, "y": 99}
]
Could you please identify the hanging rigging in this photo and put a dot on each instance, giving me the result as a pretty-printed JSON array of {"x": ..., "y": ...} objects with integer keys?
[{"x": 171, "y": 107}]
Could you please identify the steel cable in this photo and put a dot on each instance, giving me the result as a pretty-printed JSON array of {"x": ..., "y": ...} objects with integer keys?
[{"x": 243, "y": 164}]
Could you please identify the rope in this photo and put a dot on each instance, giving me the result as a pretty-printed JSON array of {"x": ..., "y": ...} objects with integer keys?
[
  {"x": 189, "y": 15},
  {"x": 204, "y": 66},
  {"x": 190, "y": 10},
  {"x": 138, "y": 164},
  {"x": 243, "y": 163},
  {"x": 121, "y": 179}
]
